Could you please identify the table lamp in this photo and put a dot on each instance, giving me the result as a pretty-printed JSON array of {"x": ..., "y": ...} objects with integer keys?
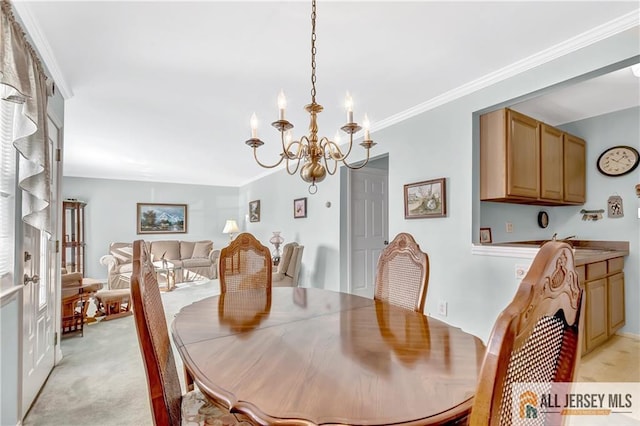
[
  {"x": 230, "y": 228},
  {"x": 276, "y": 240}
]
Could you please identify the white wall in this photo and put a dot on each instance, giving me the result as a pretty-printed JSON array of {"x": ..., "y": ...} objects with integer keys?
[
  {"x": 110, "y": 214},
  {"x": 438, "y": 143},
  {"x": 319, "y": 232}
]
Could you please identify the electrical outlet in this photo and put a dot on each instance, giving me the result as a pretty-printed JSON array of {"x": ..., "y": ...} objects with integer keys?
[
  {"x": 521, "y": 271},
  {"x": 509, "y": 226},
  {"x": 442, "y": 308}
]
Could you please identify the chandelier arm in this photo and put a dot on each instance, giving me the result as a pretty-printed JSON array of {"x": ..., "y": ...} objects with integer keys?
[
  {"x": 346, "y": 154},
  {"x": 292, "y": 172},
  {"x": 336, "y": 149},
  {"x": 255, "y": 157},
  {"x": 352, "y": 167},
  {"x": 289, "y": 154},
  {"x": 335, "y": 165}
]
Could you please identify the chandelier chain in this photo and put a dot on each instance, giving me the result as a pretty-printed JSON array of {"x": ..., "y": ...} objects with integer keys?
[{"x": 313, "y": 52}]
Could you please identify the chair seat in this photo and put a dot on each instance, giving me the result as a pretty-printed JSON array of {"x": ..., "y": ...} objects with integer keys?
[{"x": 197, "y": 410}]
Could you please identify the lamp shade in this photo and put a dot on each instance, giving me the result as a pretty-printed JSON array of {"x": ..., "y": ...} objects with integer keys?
[{"x": 230, "y": 227}]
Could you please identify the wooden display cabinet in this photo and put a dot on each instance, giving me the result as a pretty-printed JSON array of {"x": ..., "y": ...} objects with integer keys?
[{"x": 73, "y": 243}]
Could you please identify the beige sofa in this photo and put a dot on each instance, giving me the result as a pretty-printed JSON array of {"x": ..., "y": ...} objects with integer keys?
[{"x": 193, "y": 260}]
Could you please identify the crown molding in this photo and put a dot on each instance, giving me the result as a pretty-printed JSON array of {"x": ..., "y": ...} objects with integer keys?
[
  {"x": 40, "y": 43},
  {"x": 596, "y": 34}
]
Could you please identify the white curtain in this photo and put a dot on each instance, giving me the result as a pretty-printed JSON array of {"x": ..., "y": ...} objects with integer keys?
[
  {"x": 24, "y": 134},
  {"x": 23, "y": 81}
]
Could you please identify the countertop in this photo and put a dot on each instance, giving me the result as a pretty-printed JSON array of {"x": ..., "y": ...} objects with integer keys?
[{"x": 585, "y": 251}]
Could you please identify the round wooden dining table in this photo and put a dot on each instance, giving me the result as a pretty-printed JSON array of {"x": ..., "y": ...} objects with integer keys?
[{"x": 306, "y": 356}]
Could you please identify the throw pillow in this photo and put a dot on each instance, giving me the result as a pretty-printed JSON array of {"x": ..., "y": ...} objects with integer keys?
[{"x": 202, "y": 249}]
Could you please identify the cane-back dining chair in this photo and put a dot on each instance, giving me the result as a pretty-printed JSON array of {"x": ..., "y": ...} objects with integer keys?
[
  {"x": 244, "y": 264},
  {"x": 169, "y": 407},
  {"x": 535, "y": 342},
  {"x": 402, "y": 274}
]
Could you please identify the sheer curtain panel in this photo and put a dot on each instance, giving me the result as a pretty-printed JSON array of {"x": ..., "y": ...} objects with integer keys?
[{"x": 24, "y": 148}]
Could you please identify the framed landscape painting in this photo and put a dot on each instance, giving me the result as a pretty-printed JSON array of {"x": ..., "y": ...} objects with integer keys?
[
  {"x": 161, "y": 218},
  {"x": 425, "y": 199}
]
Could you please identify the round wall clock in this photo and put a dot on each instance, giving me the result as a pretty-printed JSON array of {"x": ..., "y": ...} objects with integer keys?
[
  {"x": 543, "y": 219},
  {"x": 618, "y": 160}
]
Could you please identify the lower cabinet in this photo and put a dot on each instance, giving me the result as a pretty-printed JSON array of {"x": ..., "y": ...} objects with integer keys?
[{"x": 603, "y": 284}]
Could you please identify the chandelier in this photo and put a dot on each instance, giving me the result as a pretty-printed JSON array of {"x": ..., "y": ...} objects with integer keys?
[{"x": 318, "y": 156}]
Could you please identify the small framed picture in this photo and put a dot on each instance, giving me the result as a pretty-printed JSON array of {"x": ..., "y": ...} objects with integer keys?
[
  {"x": 254, "y": 211},
  {"x": 300, "y": 208},
  {"x": 425, "y": 199},
  {"x": 485, "y": 235}
]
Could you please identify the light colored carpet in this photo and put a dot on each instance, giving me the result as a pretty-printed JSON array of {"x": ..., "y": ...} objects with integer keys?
[{"x": 101, "y": 378}]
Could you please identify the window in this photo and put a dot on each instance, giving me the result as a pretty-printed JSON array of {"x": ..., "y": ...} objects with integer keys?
[{"x": 7, "y": 193}]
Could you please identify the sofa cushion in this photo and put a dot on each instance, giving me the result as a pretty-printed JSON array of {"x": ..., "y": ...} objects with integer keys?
[
  {"x": 73, "y": 279},
  {"x": 193, "y": 263},
  {"x": 202, "y": 249},
  {"x": 186, "y": 249},
  {"x": 169, "y": 248}
]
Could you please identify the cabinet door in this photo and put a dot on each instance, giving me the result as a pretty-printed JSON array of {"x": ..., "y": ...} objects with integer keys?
[
  {"x": 551, "y": 163},
  {"x": 596, "y": 315},
  {"x": 615, "y": 294},
  {"x": 523, "y": 156},
  {"x": 575, "y": 188}
]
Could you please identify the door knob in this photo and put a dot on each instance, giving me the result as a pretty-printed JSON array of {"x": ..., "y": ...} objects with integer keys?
[{"x": 34, "y": 279}]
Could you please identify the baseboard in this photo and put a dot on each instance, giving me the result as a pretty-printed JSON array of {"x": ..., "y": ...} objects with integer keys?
[{"x": 629, "y": 335}]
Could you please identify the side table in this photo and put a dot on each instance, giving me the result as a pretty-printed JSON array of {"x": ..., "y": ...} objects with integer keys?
[{"x": 166, "y": 272}]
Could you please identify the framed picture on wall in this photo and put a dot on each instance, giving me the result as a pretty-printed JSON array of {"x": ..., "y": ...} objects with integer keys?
[
  {"x": 254, "y": 211},
  {"x": 425, "y": 199},
  {"x": 161, "y": 218},
  {"x": 299, "y": 208},
  {"x": 485, "y": 236}
]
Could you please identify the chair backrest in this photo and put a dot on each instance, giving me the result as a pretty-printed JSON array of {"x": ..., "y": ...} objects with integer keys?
[
  {"x": 536, "y": 337},
  {"x": 290, "y": 261},
  {"x": 165, "y": 393},
  {"x": 403, "y": 274},
  {"x": 245, "y": 263}
]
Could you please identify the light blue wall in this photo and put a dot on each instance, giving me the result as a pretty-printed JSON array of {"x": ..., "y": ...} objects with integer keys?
[
  {"x": 317, "y": 232},
  {"x": 438, "y": 143},
  {"x": 110, "y": 214},
  {"x": 619, "y": 128}
]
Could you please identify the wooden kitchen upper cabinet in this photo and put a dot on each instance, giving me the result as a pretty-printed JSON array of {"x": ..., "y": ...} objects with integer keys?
[
  {"x": 526, "y": 161},
  {"x": 575, "y": 154},
  {"x": 551, "y": 163}
]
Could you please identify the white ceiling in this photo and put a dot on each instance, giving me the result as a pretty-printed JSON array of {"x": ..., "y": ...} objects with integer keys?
[{"x": 163, "y": 91}]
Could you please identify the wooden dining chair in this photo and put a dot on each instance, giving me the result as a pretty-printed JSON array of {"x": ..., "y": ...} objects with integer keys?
[
  {"x": 244, "y": 264},
  {"x": 402, "y": 274},
  {"x": 169, "y": 407},
  {"x": 536, "y": 338}
]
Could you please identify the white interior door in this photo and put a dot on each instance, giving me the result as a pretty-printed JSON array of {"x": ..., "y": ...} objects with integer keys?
[
  {"x": 39, "y": 310},
  {"x": 368, "y": 227}
]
